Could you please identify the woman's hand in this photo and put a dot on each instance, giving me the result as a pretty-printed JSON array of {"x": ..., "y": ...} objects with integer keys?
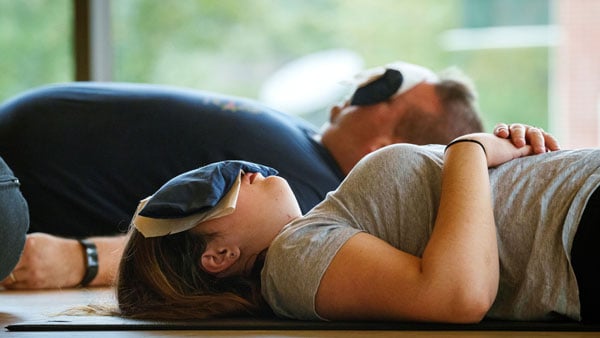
[
  {"x": 522, "y": 134},
  {"x": 497, "y": 150}
]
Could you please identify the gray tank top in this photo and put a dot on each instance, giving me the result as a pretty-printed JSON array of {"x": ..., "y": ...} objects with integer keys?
[{"x": 394, "y": 194}]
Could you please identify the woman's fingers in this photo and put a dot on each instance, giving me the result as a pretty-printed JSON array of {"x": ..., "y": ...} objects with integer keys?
[{"x": 522, "y": 134}]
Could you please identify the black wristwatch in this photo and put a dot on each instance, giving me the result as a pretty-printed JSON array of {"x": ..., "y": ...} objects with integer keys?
[{"x": 91, "y": 261}]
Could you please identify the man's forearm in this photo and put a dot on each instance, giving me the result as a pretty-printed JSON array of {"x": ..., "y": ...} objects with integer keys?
[{"x": 110, "y": 250}]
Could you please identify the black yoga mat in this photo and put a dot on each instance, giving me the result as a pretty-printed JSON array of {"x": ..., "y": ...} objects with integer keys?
[{"x": 95, "y": 323}]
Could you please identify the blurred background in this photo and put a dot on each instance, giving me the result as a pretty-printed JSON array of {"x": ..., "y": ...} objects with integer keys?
[{"x": 532, "y": 61}]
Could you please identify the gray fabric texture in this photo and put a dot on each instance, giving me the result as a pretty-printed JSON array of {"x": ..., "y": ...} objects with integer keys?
[{"x": 394, "y": 194}]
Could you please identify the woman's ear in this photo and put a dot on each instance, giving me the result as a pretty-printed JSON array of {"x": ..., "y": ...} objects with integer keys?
[{"x": 216, "y": 260}]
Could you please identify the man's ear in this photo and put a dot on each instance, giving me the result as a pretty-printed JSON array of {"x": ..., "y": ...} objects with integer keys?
[
  {"x": 335, "y": 111},
  {"x": 216, "y": 260}
]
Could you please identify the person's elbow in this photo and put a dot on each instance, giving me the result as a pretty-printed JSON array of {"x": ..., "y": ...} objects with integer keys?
[{"x": 471, "y": 305}]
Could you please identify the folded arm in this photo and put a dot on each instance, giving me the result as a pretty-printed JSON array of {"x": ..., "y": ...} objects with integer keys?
[{"x": 455, "y": 280}]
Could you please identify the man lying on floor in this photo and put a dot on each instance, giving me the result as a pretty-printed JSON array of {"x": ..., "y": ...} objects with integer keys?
[{"x": 86, "y": 153}]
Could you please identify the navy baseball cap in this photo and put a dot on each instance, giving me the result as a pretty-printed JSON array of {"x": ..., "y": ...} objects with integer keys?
[
  {"x": 193, "y": 197},
  {"x": 382, "y": 83}
]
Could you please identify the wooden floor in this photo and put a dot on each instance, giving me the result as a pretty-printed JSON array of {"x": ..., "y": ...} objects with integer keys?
[{"x": 18, "y": 307}]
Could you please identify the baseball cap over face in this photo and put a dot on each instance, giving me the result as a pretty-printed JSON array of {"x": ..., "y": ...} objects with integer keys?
[
  {"x": 194, "y": 197},
  {"x": 383, "y": 83}
]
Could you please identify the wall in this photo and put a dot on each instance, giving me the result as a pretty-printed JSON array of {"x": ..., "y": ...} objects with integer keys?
[{"x": 576, "y": 82}]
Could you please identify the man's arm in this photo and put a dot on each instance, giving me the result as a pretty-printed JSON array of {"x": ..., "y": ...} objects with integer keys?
[{"x": 55, "y": 262}]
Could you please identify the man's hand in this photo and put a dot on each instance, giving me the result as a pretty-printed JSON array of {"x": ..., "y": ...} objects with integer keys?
[
  {"x": 51, "y": 262},
  {"x": 47, "y": 262},
  {"x": 522, "y": 134}
]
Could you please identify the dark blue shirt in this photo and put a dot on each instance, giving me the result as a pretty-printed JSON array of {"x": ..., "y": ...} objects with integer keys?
[{"x": 86, "y": 153}]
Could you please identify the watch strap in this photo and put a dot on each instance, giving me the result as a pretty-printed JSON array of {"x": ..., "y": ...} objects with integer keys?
[{"x": 91, "y": 261}]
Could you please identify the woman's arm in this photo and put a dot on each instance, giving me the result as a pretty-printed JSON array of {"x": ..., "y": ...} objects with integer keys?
[{"x": 455, "y": 280}]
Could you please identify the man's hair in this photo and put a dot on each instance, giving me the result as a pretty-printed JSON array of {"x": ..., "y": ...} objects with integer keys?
[{"x": 459, "y": 114}]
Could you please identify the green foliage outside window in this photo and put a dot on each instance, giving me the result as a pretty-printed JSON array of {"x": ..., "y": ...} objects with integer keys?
[
  {"x": 35, "y": 44},
  {"x": 233, "y": 46}
]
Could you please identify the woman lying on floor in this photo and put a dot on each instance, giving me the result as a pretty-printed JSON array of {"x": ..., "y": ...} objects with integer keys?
[{"x": 419, "y": 233}]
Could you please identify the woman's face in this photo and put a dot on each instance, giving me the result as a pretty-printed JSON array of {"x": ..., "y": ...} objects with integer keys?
[{"x": 263, "y": 207}]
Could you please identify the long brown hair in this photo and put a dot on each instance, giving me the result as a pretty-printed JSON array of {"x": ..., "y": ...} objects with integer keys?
[{"x": 160, "y": 278}]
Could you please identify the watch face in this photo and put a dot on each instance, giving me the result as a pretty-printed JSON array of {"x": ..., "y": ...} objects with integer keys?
[{"x": 91, "y": 261}]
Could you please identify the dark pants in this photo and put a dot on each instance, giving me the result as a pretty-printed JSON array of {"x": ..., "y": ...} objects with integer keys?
[
  {"x": 14, "y": 220},
  {"x": 585, "y": 257}
]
